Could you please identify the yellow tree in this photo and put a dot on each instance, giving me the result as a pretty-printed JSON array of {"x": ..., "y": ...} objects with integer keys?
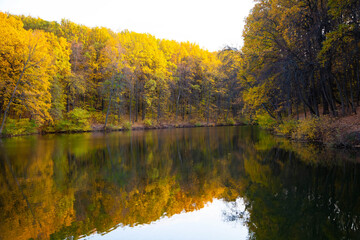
[
  {"x": 110, "y": 66},
  {"x": 147, "y": 64},
  {"x": 60, "y": 71},
  {"x": 76, "y": 84},
  {"x": 24, "y": 70},
  {"x": 228, "y": 89},
  {"x": 98, "y": 40},
  {"x": 211, "y": 64}
]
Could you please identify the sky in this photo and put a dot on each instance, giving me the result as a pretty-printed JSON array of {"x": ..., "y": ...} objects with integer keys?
[
  {"x": 207, "y": 223},
  {"x": 211, "y": 24}
]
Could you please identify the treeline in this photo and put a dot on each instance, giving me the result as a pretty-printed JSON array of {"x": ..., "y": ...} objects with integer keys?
[
  {"x": 65, "y": 75},
  {"x": 299, "y": 57},
  {"x": 302, "y": 56}
]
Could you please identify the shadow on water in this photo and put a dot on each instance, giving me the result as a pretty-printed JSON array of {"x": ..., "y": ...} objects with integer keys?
[{"x": 61, "y": 186}]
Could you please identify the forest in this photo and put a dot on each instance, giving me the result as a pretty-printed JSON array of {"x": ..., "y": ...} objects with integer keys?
[
  {"x": 66, "y": 76},
  {"x": 299, "y": 58},
  {"x": 303, "y": 55}
]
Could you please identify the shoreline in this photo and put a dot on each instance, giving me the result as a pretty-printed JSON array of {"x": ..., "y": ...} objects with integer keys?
[
  {"x": 331, "y": 132},
  {"x": 346, "y": 140},
  {"x": 123, "y": 129}
]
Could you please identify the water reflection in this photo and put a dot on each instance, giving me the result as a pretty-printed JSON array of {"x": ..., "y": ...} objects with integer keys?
[
  {"x": 62, "y": 186},
  {"x": 206, "y": 223}
]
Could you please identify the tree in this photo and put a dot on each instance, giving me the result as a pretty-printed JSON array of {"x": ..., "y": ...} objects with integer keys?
[
  {"x": 228, "y": 88},
  {"x": 290, "y": 52},
  {"x": 110, "y": 65},
  {"x": 25, "y": 58},
  {"x": 60, "y": 71}
]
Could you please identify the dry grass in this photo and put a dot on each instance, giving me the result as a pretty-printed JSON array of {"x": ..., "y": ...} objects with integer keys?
[{"x": 341, "y": 130}]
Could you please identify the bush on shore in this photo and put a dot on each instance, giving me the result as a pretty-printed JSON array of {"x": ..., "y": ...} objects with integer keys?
[
  {"x": 230, "y": 121},
  {"x": 313, "y": 129},
  {"x": 77, "y": 121},
  {"x": 148, "y": 123},
  {"x": 20, "y": 127},
  {"x": 127, "y": 126},
  {"x": 266, "y": 122}
]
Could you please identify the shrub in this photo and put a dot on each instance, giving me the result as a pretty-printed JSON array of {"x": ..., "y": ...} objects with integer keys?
[
  {"x": 230, "y": 121},
  {"x": 77, "y": 121},
  {"x": 198, "y": 124},
  {"x": 193, "y": 121},
  {"x": 287, "y": 128},
  {"x": 20, "y": 127},
  {"x": 127, "y": 126},
  {"x": 80, "y": 119},
  {"x": 308, "y": 129},
  {"x": 97, "y": 117},
  {"x": 265, "y": 121},
  {"x": 244, "y": 120},
  {"x": 62, "y": 125},
  {"x": 148, "y": 123}
]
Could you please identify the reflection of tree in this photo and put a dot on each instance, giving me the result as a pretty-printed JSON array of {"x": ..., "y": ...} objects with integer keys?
[
  {"x": 84, "y": 182},
  {"x": 286, "y": 198},
  {"x": 235, "y": 212}
]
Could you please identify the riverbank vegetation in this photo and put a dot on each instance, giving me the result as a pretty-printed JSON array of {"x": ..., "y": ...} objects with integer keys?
[
  {"x": 297, "y": 72},
  {"x": 301, "y": 61}
]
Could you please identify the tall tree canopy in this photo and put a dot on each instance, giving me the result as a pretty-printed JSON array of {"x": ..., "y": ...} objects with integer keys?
[
  {"x": 302, "y": 54},
  {"x": 297, "y": 56},
  {"x": 49, "y": 69}
]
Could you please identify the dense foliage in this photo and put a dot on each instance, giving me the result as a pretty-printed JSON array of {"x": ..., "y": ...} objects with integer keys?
[
  {"x": 49, "y": 69},
  {"x": 304, "y": 55},
  {"x": 299, "y": 57}
]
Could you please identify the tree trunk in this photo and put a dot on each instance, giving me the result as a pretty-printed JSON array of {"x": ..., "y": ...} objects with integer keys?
[
  {"x": 12, "y": 97},
  {"x": 143, "y": 103},
  {"x": 228, "y": 109},
  {"x": 119, "y": 109},
  {"x": 177, "y": 105},
  {"x": 136, "y": 102},
  {"x": 159, "y": 108},
  {"x": 297, "y": 112},
  {"x": 288, "y": 96},
  {"x": 345, "y": 93},
  {"x": 108, "y": 109},
  {"x": 218, "y": 109},
  {"x": 184, "y": 111},
  {"x": 341, "y": 95},
  {"x": 130, "y": 104},
  {"x": 208, "y": 109},
  {"x": 353, "y": 108},
  {"x": 190, "y": 116},
  {"x": 357, "y": 82},
  {"x": 68, "y": 99}
]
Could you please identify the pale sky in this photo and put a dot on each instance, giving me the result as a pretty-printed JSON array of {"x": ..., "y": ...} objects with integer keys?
[
  {"x": 207, "y": 223},
  {"x": 211, "y": 24}
]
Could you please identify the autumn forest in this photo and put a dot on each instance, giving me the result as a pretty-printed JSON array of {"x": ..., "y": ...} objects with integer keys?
[
  {"x": 296, "y": 75},
  {"x": 298, "y": 57}
]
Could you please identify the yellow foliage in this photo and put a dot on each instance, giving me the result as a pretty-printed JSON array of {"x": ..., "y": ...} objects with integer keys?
[{"x": 25, "y": 69}]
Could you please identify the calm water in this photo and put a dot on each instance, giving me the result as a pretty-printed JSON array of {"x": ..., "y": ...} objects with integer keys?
[{"x": 201, "y": 183}]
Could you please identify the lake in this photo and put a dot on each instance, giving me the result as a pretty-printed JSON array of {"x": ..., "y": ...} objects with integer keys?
[{"x": 195, "y": 183}]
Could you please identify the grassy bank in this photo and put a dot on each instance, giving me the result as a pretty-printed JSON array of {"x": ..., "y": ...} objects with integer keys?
[{"x": 80, "y": 120}]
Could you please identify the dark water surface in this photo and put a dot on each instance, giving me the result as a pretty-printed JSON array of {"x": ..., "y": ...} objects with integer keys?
[{"x": 199, "y": 183}]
